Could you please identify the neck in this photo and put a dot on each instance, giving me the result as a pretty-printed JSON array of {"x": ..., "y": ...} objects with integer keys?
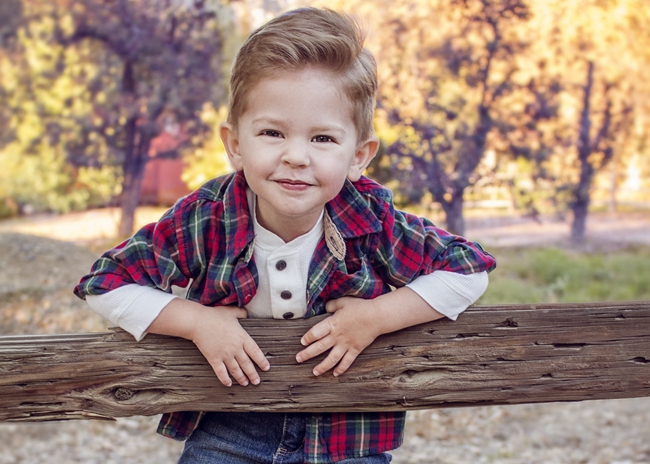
[{"x": 288, "y": 230}]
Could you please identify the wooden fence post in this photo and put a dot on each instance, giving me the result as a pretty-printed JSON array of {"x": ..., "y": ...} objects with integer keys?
[{"x": 491, "y": 355}]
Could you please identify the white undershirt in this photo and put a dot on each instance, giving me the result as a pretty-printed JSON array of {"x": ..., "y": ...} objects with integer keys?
[
  {"x": 133, "y": 307},
  {"x": 282, "y": 267}
]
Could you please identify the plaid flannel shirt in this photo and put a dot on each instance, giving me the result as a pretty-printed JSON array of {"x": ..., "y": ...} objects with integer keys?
[{"x": 205, "y": 242}]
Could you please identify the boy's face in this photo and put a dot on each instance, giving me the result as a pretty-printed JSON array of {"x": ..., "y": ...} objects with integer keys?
[{"x": 296, "y": 143}]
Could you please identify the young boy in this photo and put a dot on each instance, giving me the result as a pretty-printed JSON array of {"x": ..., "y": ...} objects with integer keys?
[{"x": 296, "y": 231}]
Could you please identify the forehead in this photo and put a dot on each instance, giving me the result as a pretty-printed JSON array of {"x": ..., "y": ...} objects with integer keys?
[{"x": 307, "y": 92}]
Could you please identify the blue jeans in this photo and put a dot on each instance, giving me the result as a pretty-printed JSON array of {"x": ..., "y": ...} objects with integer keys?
[{"x": 251, "y": 437}]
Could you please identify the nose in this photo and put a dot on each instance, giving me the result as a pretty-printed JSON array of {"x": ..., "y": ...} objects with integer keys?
[{"x": 296, "y": 154}]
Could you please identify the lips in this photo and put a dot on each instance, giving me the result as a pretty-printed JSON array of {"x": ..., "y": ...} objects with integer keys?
[{"x": 293, "y": 184}]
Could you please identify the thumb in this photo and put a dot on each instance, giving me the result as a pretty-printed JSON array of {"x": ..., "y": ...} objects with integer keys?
[
  {"x": 240, "y": 313},
  {"x": 334, "y": 305}
]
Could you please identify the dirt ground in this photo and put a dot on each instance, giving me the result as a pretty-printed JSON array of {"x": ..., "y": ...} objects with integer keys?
[{"x": 41, "y": 259}]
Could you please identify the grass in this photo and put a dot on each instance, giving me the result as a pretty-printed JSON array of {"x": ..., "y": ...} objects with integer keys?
[{"x": 551, "y": 275}]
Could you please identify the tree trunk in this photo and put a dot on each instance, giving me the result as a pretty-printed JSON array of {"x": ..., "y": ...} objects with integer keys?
[
  {"x": 130, "y": 198},
  {"x": 580, "y": 205},
  {"x": 454, "y": 213},
  {"x": 133, "y": 171},
  {"x": 136, "y": 155},
  {"x": 582, "y": 197},
  {"x": 491, "y": 355}
]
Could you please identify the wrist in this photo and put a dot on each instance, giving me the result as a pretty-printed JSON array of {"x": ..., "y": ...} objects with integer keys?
[
  {"x": 179, "y": 318},
  {"x": 402, "y": 308},
  {"x": 378, "y": 316}
]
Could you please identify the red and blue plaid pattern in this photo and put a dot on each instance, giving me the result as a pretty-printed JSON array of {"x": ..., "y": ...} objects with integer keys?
[{"x": 205, "y": 242}]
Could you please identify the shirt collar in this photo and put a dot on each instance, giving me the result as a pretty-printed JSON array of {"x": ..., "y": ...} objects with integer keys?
[
  {"x": 351, "y": 214},
  {"x": 237, "y": 220}
]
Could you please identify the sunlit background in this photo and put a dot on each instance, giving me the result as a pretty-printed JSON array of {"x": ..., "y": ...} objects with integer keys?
[{"x": 524, "y": 125}]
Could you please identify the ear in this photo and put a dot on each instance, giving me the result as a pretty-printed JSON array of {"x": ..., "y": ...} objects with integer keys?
[
  {"x": 231, "y": 143},
  {"x": 362, "y": 158}
]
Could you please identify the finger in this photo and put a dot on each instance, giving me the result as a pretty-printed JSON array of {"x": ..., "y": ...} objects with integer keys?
[
  {"x": 248, "y": 368},
  {"x": 236, "y": 372},
  {"x": 256, "y": 354},
  {"x": 345, "y": 363},
  {"x": 313, "y": 350},
  {"x": 220, "y": 369},
  {"x": 329, "y": 362},
  {"x": 318, "y": 332},
  {"x": 333, "y": 305},
  {"x": 240, "y": 313}
]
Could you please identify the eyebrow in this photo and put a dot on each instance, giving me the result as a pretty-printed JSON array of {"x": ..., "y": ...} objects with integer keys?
[
  {"x": 265, "y": 120},
  {"x": 279, "y": 122}
]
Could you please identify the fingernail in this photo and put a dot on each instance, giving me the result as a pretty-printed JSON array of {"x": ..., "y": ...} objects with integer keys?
[
  {"x": 315, "y": 372},
  {"x": 303, "y": 342},
  {"x": 256, "y": 382},
  {"x": 336, "y": 374},
  {"x": 266, "y": 368},
  {"x": 299, "y": 359},
  {"x": 245, "y": 384}
]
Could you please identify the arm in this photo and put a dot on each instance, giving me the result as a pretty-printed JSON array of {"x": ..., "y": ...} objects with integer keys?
[
  {"x": 132, "y": 307},
  {"x": 218, "y": 335},
  {"x": 411, "y": 254},
  {"x": 215, "y": 331},
  {"x": 174, "y": 251},
  {"x": 356, "y": 322},
  {"x": 450, "y": 293}
]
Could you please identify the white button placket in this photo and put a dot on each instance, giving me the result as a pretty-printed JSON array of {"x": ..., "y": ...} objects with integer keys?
[{"x": 285, "y": 284}]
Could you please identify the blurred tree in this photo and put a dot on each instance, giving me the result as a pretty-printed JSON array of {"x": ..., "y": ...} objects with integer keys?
[
  {"x": 45, "y": 112},
  {"x": 11, "y": 16},
  {"x": 558, "y": 84},
  {"x": 169, "y": 55},
  {"x": 97, "y": 80},
  {"x": 206, "y": 157},
  {"x": 596, "y": 145},
  {"x": 445, "y": 68},
  {"x": 595, "y": 50}
]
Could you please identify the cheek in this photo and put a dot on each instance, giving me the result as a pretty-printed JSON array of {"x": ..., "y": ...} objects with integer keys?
[
  {"x": 336, "y": 170},
  {"x": 335, "y": 180},
  {"x": 256, "y": 168}
]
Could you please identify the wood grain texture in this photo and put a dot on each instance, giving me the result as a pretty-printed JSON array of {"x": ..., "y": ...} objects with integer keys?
[{"x": 491, "y": 355}]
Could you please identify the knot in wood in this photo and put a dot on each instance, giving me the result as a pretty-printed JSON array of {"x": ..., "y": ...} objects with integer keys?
[
  {"x": 510, "y": 322},
  {"x": 123, "y": 394}
]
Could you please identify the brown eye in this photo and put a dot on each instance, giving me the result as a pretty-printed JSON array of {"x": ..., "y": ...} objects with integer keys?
[{"x": 323, "y": 139}]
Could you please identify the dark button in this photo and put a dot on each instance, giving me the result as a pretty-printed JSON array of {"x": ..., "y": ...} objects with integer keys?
[
  {"x": 281, "y": 265},
  {"x": 285, "y": 295},
  {"x": 287, "y": 315}
]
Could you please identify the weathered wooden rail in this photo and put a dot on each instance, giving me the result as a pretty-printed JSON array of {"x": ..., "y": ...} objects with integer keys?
[{"x": 491, "y": 355}]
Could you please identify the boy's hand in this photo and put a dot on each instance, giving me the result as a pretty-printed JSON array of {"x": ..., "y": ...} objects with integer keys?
[
  {"x": 355, "y": 323},
  {"x": 228, "y": 347},
  {"x": 351, "y": 328},
  {"x": 217, "y": 333}
]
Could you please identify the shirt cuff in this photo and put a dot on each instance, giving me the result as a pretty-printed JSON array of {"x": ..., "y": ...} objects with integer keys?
[
  {"x": 450, "y": 293},
  {"x": 132, "y": 307}
]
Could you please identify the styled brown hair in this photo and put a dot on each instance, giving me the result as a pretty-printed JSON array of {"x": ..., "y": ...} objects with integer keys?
[{"x": 308, "y": 37}]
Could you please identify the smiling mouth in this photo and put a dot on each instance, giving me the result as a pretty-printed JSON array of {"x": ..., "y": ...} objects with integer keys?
[
  {"x": 293, "y": 185},
  {"x": 290, "y": 184}
]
